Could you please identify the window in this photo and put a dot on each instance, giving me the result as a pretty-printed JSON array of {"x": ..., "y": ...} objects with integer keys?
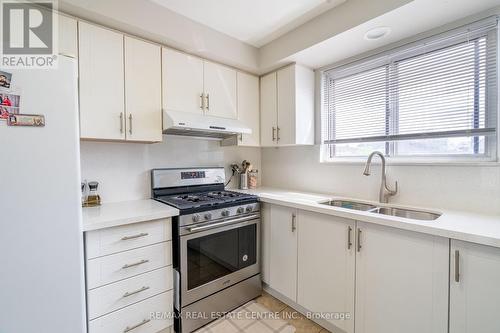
[{"x": 433, "y": 99}]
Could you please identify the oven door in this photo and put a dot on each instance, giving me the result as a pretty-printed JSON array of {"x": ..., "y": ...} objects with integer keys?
[{"x": 217, "y": 256}]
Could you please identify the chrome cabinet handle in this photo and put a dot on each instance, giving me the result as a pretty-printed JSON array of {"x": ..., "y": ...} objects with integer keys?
[
  {"x": 128, "y": 329},
  {"x": 359, "y": 240},
  {"x": 457, "y": 266},
  {"x": 135, "y": 264},
  {"x": 127, "y": 294},
  {"x": 349, "y": 241},
  {"x": 142, "y": 234},
  {"x": 130, "y": 121},
  {"x": 202, "y": 101},
  {"x": 294, "y": 222},
  {"x": 277, "y": 134},
  {"x": 121, "y": 122},
  {"x": 274, "y": 130},
  {"x": 208, "y": 102}
]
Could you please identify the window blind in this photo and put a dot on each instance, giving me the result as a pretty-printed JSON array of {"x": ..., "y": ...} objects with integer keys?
[{"x": 442, "y": 87}]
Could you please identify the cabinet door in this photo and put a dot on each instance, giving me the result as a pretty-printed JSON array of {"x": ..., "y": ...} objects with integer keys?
[
  {"x": 286, "y": 106},
  {"x": 143, "y": 91},
  {"x": 182, "y": 82},
  {"x": 401, "y": 281},
  {"x": 101, "y": 83},
  {"x": 68, "y": 36},
  {"x": 248, "y": 108},
  {"x": 268, "y": 110},
  {"x": 474, "y": 288},
  {"x": 326, "y": 259},
  {"x": 220, "y": 91},
  {"x": 283, "y": 251}
]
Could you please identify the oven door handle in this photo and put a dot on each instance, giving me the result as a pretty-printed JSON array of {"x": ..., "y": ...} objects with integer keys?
[{"x": 232, "y": 221}]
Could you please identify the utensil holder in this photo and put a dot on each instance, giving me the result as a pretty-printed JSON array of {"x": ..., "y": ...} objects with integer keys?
[{"x": 244, "y": 181}]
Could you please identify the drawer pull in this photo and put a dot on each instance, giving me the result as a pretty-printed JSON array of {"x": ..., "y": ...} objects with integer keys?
[
  {"x": 127, "y": 294},
  {"x": 142, "y": 234},
  {"x": 130, "y": 328},
  {"x": 135, "y": 264}
]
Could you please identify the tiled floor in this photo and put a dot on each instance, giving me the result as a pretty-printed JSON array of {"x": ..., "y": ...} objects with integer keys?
[{"x": 265, "y": 314}]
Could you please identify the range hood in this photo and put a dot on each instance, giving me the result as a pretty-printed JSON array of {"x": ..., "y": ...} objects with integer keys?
[{"x": 198, "y": 125}]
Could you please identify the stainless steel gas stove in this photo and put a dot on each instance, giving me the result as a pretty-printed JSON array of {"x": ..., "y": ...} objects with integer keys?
[{"x": 215, "y": 244}]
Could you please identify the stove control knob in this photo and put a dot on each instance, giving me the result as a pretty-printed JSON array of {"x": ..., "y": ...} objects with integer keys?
[
  {"x": 240, "y": 210},
  {"x": 196, "y": 217},
  {"x": 225, "y": 213},
  {"x": 208, "y": 216},
  {"x": 249, "y": 209}
]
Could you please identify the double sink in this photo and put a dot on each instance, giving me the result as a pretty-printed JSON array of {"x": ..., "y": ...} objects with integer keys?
[{"x": 384, "y": 210}]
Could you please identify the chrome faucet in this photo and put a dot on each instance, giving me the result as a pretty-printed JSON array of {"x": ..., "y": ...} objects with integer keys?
[{"x": 385, "y": 192}]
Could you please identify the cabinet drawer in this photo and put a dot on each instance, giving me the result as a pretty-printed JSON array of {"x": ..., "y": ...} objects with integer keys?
[
  {"x": 126, "y": 319},
  {"x": 112, "y": 240},
  {"x": 115, "y": 267},
  {"x": 115, "y": 296}
]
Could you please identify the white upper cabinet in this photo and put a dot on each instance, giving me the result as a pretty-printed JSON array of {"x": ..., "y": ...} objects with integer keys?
[
  {"x": 326, "y": 266},
  {"x": 102, "y": 95},
  {"x": 248, "y": 108},
  {"x": 401, "y": 281},
  {"x": 287, "y": 107},
  {"x": 182, "y": 82},
  {"x": 283, "y": 251},
  {"x": 268, "y": 110},
  {"x": 143, "y": 91},
  {"x": 220, "y": 90},
  {"x": 474, "y": 288},
  {"x": 68, "y": 36}
]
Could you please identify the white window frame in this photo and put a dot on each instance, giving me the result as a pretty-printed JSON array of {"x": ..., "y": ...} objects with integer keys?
[{"x": 491, "y": 156}]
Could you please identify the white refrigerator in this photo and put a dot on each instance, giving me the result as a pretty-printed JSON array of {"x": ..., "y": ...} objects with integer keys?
[{"x": 41, "y": 249}]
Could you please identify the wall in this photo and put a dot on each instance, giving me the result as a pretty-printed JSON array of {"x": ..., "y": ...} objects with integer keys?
[
  {"x": 123, "y": 169},
  {"x": 471, "y": 188}
]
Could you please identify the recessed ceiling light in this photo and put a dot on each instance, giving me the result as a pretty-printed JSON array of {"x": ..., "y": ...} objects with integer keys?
[{"x": 377, "y": 33}]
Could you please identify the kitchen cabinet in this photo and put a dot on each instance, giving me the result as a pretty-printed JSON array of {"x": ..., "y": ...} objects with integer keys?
[
  {"x": 474, "y": 288},
  {"x": 102, "y": 94},
  {"x": 401, "y": 281},
  {"x": 68, "y": 36},
  {"x": 268, "y": 109},
  {"x": 142, "y": 91},
  {"x": 326, "y": 267},
  {"x": 194, "y": 85},
  {"x": 287, "y": 107},
  {"x": 265, "y": 235},
  {"x": 248, "y": 111},
  {"x": 283, "y": 251},
  {"x": 220, "y": 90},
  {"x": 120, "y": 86},
  {"x": 182, "y": 82}
]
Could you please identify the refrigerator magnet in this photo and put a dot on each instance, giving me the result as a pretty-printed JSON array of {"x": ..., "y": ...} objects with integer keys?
[{"x": 32, "y": 120}]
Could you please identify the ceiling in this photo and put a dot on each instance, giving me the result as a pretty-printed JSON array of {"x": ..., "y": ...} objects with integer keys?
[
  {"x": 255, "y": 22},
  {"x": 407, "y": 21}
]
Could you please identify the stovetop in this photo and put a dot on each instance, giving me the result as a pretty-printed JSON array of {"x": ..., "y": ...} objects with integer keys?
[{"x": 204, "y": 200}]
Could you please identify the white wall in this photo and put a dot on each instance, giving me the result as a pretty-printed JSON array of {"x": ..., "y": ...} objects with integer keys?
[
  {"x": 471, "y": 188},
  {"x": 123, "y": 169}
]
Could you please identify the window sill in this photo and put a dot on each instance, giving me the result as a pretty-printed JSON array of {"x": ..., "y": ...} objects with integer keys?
[{"x": 414, "y": 162}]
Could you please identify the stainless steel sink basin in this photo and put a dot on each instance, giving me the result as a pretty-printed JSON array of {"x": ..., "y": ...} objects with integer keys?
[
  {"x": 392, "y": 211},
  {"x": 406, "y": 213},
  {"x": 350, "y": 205}
]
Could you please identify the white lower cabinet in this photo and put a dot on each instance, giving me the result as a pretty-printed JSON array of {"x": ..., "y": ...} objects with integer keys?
[
  {"x": 401, "y": 281},
  {"x": 474, "y": 288},
  {"x": 130, "y": 278},
  {"x": 283, "y": 251},
  {"x": 326, "y": 260},
  {"x": 368, "y": 278}
]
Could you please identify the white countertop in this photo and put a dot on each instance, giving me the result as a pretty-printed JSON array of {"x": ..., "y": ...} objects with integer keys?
[
  {"x": 466, "y": 226},
  {"x": 120, "y": 213}
]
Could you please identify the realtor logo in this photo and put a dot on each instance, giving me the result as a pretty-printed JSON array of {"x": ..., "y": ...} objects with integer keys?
[{"x": 28, "y": 34}]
